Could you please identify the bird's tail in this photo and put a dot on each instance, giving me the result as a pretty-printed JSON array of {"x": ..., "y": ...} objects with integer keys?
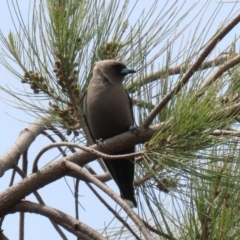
[
  {"x": 131, "y": 203},
  {"x": 122, "y": 171}
]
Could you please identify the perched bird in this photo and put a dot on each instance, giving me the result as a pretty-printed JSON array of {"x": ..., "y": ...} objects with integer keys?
[{"x": 108, "y": 112}]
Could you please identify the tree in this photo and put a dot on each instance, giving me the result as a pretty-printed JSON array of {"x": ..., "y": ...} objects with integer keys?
[{"x": 186, "y": 108}]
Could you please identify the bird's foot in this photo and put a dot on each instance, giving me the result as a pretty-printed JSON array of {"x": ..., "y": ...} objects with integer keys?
[
  {"x": 133, "y": 129},
  {"x": 99, "y": 142}
]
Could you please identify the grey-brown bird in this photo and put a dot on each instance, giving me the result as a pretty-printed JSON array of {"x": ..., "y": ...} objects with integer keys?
[{"x": 108, "y": 112}]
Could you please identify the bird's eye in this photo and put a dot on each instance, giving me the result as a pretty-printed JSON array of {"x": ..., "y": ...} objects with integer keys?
[{"x": 118, "y": 67}]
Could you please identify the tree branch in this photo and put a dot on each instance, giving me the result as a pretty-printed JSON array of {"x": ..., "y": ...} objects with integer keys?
[
  {"x": 26, "y": 137},
  {"x": 55, "y": 170},
  {"x": 87, "y": 149},
  {"x": 165, "y": 235},
  {"x": 69, "y": 223},
  {"x": 113, "y": 211},
  {"x": 54, "y": 141},
  {"x": 86, "y": 175},
  {"x": 40, "y": 200},
  {"x": 225, "y": 67},
  {"x": 133, "y": 86},
  {"x": 62, "y": 137},
  {"x": 206, "y": 51}
]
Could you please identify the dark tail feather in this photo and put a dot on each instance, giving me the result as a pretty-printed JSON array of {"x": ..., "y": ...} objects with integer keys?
[
  {"x": 130, "y": 200},
  {"x": 122, "y": 171}
]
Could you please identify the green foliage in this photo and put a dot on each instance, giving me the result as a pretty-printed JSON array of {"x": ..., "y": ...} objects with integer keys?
[
  {"x": 192, "y": 119},
  {"x": 56, "y": 56}
]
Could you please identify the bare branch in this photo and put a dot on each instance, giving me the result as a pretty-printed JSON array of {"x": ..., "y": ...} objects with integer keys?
[
  {"x": 87, "y": 149},
  {"x": 227, "y": 112},
  {"x": 26, "y": 137},
  {"x": 101, "y": 177},
  {"x": 21, "y": 226},
  {"x": 66, "y": 221},
  {"x": 226, "y": 132},
  {"x": 113, "y": 211},
  {"x": 223, "y": 68},
  {"x": 76, "y": 197},
  {"x": 53, "y": 140}
]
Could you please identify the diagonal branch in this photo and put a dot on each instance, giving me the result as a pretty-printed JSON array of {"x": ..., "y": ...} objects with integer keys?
[
  {"x": 113, "y": 211},
  {"x": 26, "y": 137},
  {"x": 90, "y": 178},
  {"x": 206, "y": 51},
  {"x": 225, "y": 67},
  {"x": 133, "y": 86}
]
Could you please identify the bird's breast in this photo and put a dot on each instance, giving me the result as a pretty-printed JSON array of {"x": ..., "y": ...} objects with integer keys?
[{"x": 108, "y": 111}]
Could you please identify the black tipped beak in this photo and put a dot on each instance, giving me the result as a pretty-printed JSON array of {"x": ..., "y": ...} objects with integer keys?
[{"x": 126, "y": 71}]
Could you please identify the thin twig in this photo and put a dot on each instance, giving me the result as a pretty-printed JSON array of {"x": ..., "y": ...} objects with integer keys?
[
  {"x": 113, "y": 211},
  {"x": 54, "y": 141},
  {"x": 105, "y": 177},
  {"x": 87, "y": 149},
  {"x": 143, "y": 104},
  {"x": 10, "y": 184},
  {"x": 142, "y": 180},
  {"x": 22, "y": 215},
  {"x": 152, "y": 229},
  {"x": 12, "y": 177},
  {"x": 227, "y": 112},
  {"x": 225, "y": 133},
  {"x": 62, "y": 137},
  {"x": 76, "y": 197},
  {"x": 21, "y": 226},
  {"x": 59, "y": 134},
  {"x": 25, "y": 162}
]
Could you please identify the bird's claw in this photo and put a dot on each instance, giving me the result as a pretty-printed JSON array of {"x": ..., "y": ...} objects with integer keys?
[
  {"x": 99, "y": 142},
  {"x": 133, "y": 129}
]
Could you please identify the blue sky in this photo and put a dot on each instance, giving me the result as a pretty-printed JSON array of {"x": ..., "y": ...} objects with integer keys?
[{"x": 13, "y": 121}]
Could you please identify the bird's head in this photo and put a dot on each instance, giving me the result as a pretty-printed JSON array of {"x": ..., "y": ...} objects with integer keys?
[{"x": 114, "y": 71}]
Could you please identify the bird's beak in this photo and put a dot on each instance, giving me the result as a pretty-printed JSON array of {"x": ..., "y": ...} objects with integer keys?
[{"x": 126, "y": 71}]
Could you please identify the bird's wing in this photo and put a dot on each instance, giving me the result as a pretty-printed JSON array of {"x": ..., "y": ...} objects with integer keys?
[
  {"x": 83, "y": 103},
  {"x": 84, "y": 111},
  {"x": 131, "y": 105}
]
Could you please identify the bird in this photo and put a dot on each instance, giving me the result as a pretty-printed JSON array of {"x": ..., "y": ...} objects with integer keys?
[{"x": 108, "y": 112}]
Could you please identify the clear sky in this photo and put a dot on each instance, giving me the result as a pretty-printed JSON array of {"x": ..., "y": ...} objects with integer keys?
[{"x": 13, "y": 121}]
